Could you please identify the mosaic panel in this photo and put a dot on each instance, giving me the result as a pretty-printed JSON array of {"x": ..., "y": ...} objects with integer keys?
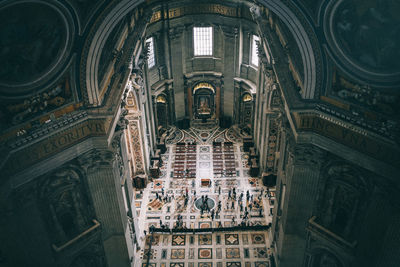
[
  {"x": 150, "y": 265},
  {"x": 178, "y": 240},
  {"x": 219, "y": 264},
  {"x": 205, "y": 264},
  {"x": 176, "y": 264},
  {"x": 163, "y": 264},
  {"x": 191, "y": 264},
  {"x": 247, "y": 264},
  {"x": 205, "y": 239},
  {"x": 232, "y": 253},
  {"x": 233, "y": 264},
  {"x": 258, "y": 238},
  {"x": 260, "y": 253},
  {"x": 261, "y": 264},
  {"x": 178, "y": 253},
  {"x": 231, "y": 239},
  {"x": 205, "y": 253}
]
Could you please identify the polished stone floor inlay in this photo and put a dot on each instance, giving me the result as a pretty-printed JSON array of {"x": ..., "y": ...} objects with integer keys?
[{"x": 218, "y": 172}]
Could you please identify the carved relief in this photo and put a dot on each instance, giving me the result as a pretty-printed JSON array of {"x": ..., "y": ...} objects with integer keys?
[{"x": 364, "y": 95}]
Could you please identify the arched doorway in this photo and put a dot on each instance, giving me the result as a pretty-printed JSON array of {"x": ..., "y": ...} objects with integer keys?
[{"x": 203, "y": 101}]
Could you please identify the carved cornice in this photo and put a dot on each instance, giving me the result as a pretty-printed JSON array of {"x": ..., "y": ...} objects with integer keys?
[{"x": 49, "y": 128}]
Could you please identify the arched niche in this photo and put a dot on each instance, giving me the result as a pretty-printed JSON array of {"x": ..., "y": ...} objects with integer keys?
[
  {"x": 161, "y": 102},
  {"x": 203, "y": 101},
  {"x": 246, "y": 108}
]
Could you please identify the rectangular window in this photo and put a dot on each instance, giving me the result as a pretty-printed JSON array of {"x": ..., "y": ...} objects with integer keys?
[
  {"x": 203, "y": 41},
  {"x": 151, "y": 61},
  {"x": 254, "y": 50}
]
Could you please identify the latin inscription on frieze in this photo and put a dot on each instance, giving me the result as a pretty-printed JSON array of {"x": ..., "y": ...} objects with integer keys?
[
  {"x": 196, "y": 9},
  {"x": 54, "y": 144}
]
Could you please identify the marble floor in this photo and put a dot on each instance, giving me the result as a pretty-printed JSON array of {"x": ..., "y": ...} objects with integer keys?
[{"x": 218, "y": 249}]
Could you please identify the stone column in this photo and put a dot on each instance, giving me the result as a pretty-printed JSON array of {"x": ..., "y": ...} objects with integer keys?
[
  {"x": 302, "y": 175},
  {"x": 176, "y": 37},
  {"x": 230, "y": 48},
  {"x": 105, "y": 191}
]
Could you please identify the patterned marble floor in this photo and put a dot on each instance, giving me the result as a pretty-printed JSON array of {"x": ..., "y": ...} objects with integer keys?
[{"x": 246, "y": 249}]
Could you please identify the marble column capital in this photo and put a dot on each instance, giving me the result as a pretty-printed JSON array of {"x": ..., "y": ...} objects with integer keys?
[
  {"x": 306, "y": 154},
  {"x": 96, "y": 158}
]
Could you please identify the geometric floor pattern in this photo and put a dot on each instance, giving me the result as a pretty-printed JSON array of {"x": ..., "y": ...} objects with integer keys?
[{"x": 219, "y": 249}]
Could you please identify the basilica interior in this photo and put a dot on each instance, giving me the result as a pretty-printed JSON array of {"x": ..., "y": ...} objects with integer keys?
[{"x": 236, "y": 133}]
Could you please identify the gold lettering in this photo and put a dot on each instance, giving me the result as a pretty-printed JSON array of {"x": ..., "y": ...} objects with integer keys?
[{"x": 56, "y": 143}]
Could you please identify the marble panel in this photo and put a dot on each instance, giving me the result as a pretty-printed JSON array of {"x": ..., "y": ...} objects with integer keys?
[
  {"x": 178, "y": 240},
  {"x": 178, "y": 253},
  {"x": 232, "y": 253},
  {"x": 258, "y": 238},
  {"x": 205, "y": 239},
  {"x": 231, "y": 239},
  {"x": 205, "y": 253}
]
